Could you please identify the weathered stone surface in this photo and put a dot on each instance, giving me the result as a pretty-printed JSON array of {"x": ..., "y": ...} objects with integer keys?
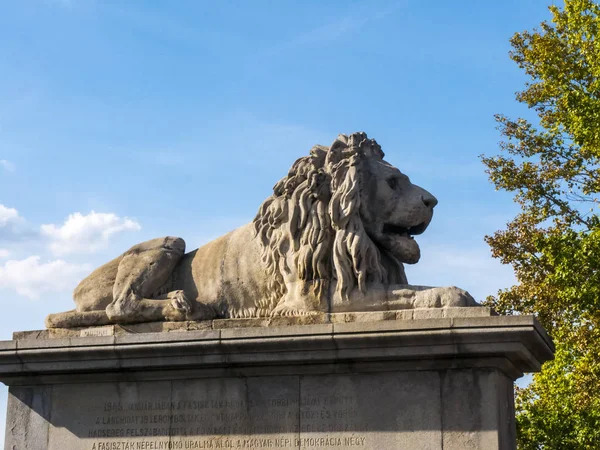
[
  {"x": 408, "y": 409},
  {"x": 363, "y": 411},
  {"x": 363, "y": 316},
  {"x": 479, "y": 417},
  {"x": 384, "y": 410},
  {"x": 96, "y": 416},
  {"x": 281, "y": 321},
  {"x": 348, "y": 382},
  {"x": 27, "y": 421},
  {"x": 342, "y": 203},
  {"x": 108, "y": 330}
]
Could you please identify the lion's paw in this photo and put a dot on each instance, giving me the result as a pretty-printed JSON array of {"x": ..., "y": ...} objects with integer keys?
[
  {"x": 456, "y": 297},
  {"x": 179, "y": 302},
  {"x": 443, "y": 297},
  {"x": 287, "y": 311}
]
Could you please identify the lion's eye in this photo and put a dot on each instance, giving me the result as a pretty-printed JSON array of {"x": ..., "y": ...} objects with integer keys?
[{"x": 393, "y": 183}]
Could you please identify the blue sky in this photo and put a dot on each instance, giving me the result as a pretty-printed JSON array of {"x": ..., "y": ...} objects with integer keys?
[{"x": 126, "y": 120}]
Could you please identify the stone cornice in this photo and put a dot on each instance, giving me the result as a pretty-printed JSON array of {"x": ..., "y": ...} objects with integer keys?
[{"x": 513, "y": 344}]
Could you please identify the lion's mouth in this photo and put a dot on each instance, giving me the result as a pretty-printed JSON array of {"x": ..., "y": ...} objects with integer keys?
[
  {"x": 399, "y": 241},
  {"x": 389, "y": 228}
]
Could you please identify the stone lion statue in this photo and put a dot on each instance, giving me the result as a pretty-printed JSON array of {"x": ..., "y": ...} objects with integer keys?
[{"x": 333, "y": 237}]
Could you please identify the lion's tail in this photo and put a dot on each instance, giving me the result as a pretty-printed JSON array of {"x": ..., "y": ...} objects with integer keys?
[{"x": 72, "y": 319}]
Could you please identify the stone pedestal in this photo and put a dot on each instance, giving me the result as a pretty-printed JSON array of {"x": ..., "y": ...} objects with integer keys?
[{"x": 423, "y": 379}]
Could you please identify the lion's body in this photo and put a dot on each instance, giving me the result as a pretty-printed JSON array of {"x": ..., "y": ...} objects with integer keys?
[
  {"x": 227, "y": 275},
  {"x": 332, "y": 237}
]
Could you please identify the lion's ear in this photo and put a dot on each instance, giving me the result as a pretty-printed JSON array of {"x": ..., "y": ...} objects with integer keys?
[
  {"x": 336, "y": 151},
  {"x": 342, "y": 138}
]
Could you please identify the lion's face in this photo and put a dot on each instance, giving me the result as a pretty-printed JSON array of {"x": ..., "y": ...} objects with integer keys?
[
  {"x": 393, "y": 209},
  {"x": 344, "y": 214}
]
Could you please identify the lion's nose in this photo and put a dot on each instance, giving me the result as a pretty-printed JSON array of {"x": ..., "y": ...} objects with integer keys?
[{"x": 429, "y": 200}]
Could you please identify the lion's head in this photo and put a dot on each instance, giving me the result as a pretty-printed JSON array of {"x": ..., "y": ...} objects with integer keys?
[{"x": 342, "y": 213}]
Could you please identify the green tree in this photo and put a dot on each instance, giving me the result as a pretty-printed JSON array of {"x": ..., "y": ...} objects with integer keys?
[{"x": 553, "y": 244}]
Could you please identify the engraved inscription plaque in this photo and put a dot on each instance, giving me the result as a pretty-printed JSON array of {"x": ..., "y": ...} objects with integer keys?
[
  {"x": 98, "y": 331},
  {"x": 285, "y": 412}
]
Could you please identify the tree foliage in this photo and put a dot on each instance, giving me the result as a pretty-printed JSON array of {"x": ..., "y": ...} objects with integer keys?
[{"x": 553, "y": 244}]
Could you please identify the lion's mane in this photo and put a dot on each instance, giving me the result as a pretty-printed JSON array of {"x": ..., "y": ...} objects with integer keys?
[{"x": 314, "y": 216}]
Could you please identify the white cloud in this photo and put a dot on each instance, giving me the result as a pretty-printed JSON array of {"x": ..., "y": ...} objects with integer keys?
[
  {"x": 86, "y": 234},
  {"x": 4, "y": 253},
  {"x": 8, "y": 216},
  {"x": 12, "y": 225},
  {"x": 7, "y": 165},
  {"x": 30, "y": 278}
]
